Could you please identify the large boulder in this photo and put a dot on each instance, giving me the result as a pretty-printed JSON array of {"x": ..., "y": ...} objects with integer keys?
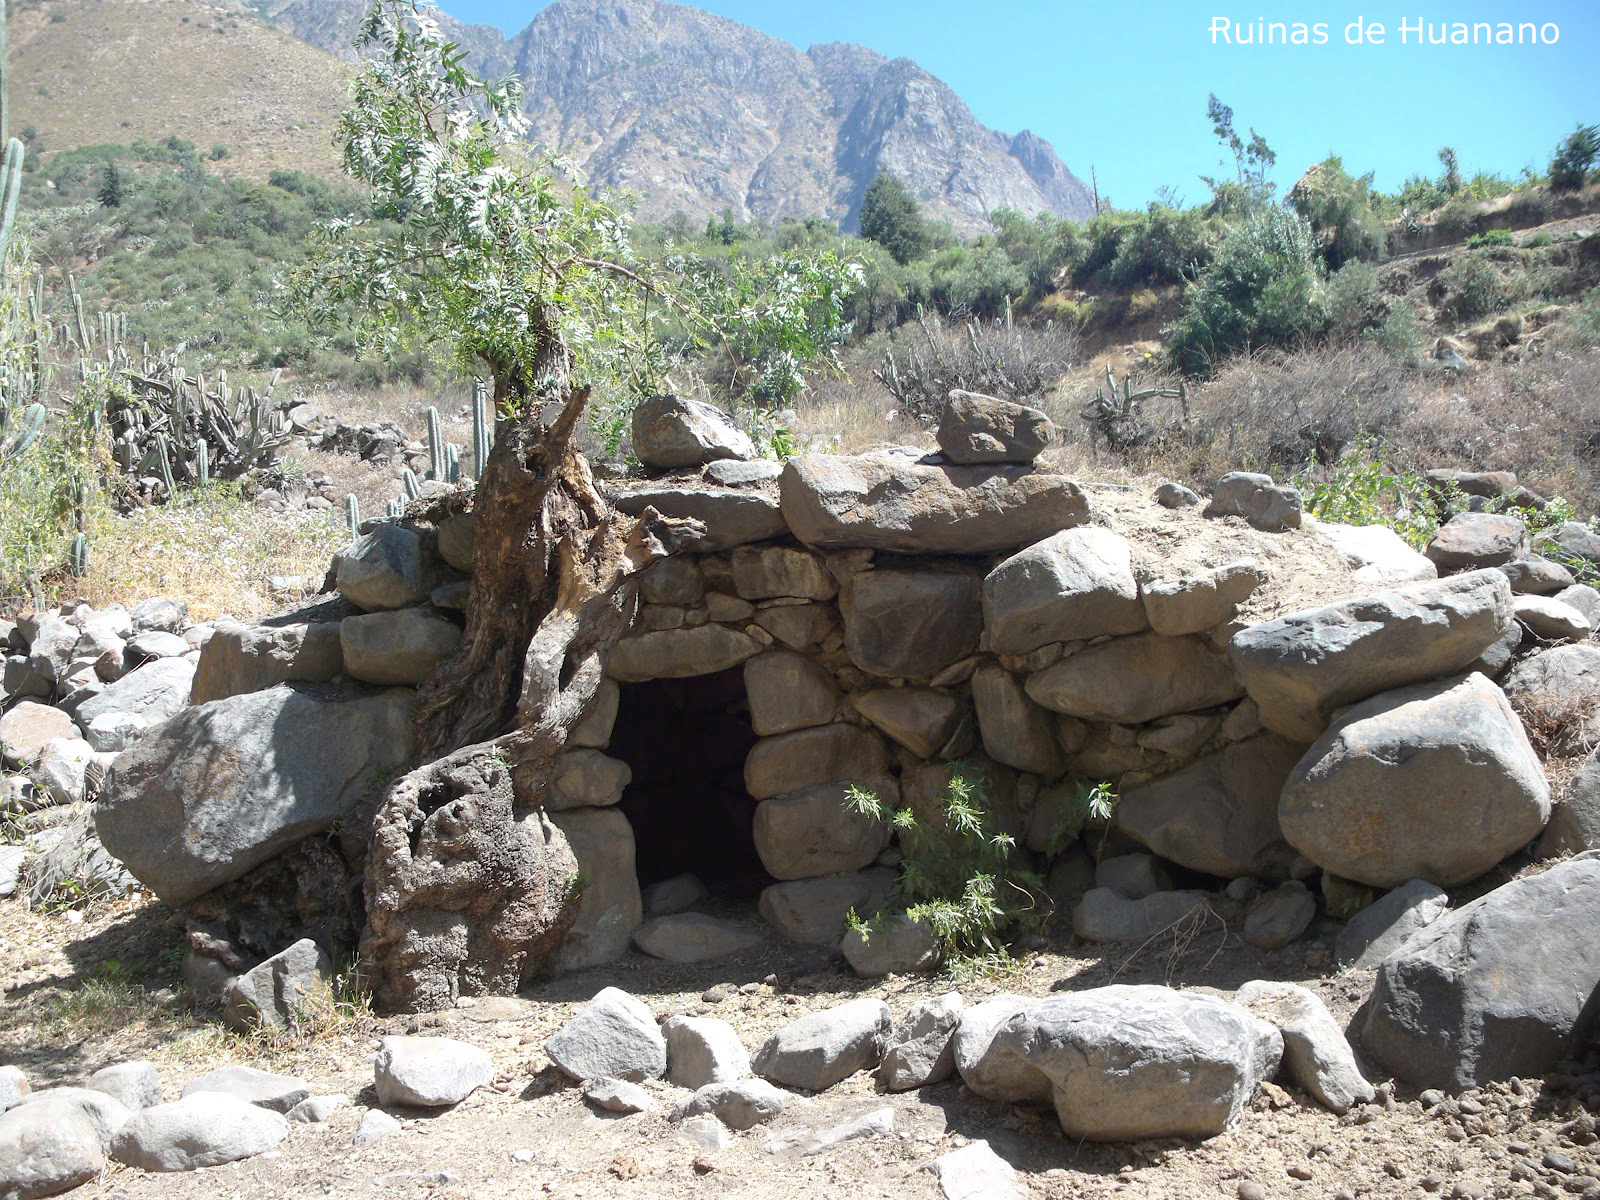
[
  {"x": 1125, "y": 1063},
  {"x": 680, "y": 653},
  {"x": 923, "y": 1050},
  {"x": 1220, "y": 814},
  {"x": 1506, "y": 985},
  {"x": 225, "y": 786},
  {"x": 1575, "y": 823},
  {"x": 1136, "y": 679},
  {"x": 909, "y": 623},
  {"x": 1075, "y": 585},
  {"x": 382, "y": 569},
  {"x": 671, "y": 432},
  {"x": 793, "y": 762},
  {"x": 248, "y": 658},
  {"x": 703, "y": 1050},
  {"x": 1561, "y": 684},
  {"x": 1302, "y": 667},
  {"x": 816, "y": 832},
  {"x": 768, "y": 572},
  {"x": 1196, "y": 603},
  {"x": 270, "y": 995},
  {"x": 788, "y": 691},
  {"x": 920, "y": 719},
  {"x": 823, "y": 1048},
  {"x": 400, "y": 647},
  {"x": 28, "y": 728},
  {"x": 1377, "y": 556},
  {"x": 1015, "y": 730},
  {"x": 1435, "y": 781},
  {"x": 731, "y": 516},
  {"x": 610, "y": 907},
  {"x": 975, "y": 430},
  {"x": 1470, "y": 540},
  {"x": 200, "y": 1130},
  {"x": 47, "y": 1148},
  {"x": 813, "y": 911},
  {"x": 886, "y": 502},
  {"x": 1385, "y": 925}
]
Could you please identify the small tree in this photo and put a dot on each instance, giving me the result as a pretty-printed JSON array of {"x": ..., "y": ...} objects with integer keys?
[
  {"x": 1252, "y": 159},
  {"x": 476, "y": 245},
  {"x": 890, "y": 217},
  {"x": 1339, "y": 207},
  {"x": 1574, "y": 158},
  {"x": 1450, "y": 180},
  {"x": 111, "y": 187}
]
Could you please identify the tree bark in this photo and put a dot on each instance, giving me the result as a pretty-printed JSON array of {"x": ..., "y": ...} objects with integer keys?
[{"x": 468, "y": 886}]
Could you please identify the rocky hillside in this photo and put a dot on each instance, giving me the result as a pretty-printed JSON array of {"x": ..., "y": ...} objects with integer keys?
[{"x": 696, "y": 113}]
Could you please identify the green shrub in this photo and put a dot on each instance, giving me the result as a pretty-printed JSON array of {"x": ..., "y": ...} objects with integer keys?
[
  {"x": 1161, "y": 245},
  {"x": 1399, "y": 334},
  {"x": 1492, "y": 237},
  {"x": 1537, "y": 240},
  {"x": 1339, "y": 208},
  {"x": 1575, "y": 158},
  {"x": 1264, "y": 288},
  {"x": 961, "y": 876},
  {"x": 1355, "y": 301},
  {"x": 1364, "y": 488},
  {"x": 1473, "y": 289},
  {"x": 1584, "y": 319},
  {"x": 890, "y": 217}
]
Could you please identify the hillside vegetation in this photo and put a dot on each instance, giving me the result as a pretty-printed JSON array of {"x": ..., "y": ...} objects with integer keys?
[{"x": 87, "y": 72}]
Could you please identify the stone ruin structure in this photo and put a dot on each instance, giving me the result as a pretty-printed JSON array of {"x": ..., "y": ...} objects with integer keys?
[{"x": 1294, "y": 710}]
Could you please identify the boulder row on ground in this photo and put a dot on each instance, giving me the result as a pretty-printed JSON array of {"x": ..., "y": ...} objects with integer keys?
[
  {"x": 1301, "y": 668},
  {"x": 1503, "y": 986},
  {"x": 738, "y": 1104},
  {"x": 198, "y": 1131},
  {"x": 429, "y": 1072},
  {"x": 225, "y": 786},
  {"x": 613, "y": 1036},
  {"x": 821, "y": 1049},
  {"x": 1435, "y": 781},
  {"x": 702, "y": 1050},
  {"x": 1315, "y": 1051},
  {"x": 1126, "y": 1063},
  {"x": 265, "y": 1089}
]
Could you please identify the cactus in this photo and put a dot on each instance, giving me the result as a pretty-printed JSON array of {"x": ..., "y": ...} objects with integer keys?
[
  {"x": 409, "y": 481},
  {"x": 482, "y": 428},
  {"x": 31, "y": 421},
  {"x": 10, "y": 187},
  {"x": 202, "y": 463},
  {"x": 435, "y": 446},
  {"x": 79, "y": 556},
  {"x": 352, "y": 514},
  {"x": 164, "y": 464},
  {"x": 395, "y": 508},
  {"x": 452, "y": 463},
  {"x": 1119, "y": 419}
]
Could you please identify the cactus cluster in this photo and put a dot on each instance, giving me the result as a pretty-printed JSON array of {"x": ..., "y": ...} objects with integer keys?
[
  {"x": 1119, "y": 419},
  {"x": 185, "y": 431}
]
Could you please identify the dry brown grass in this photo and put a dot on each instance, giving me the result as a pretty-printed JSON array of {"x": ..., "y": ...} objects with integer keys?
[{"x": 212, "y": 551}]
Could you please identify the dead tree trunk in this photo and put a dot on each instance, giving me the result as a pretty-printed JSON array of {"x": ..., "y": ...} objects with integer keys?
[{"x": 452, "y": 854}]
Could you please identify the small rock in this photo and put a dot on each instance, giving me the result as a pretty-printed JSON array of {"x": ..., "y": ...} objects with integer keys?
[
  {"x": 46, "y": 1149},
  {"x": 271, "y": 995},
  {"x": 923, "y": 1048},
  {"x": 13, "y": 1087},
  {"x": 674, "y": 895},
  {"x": 429, "y": 1072},
  {"x": 279, "y": 1093},
  {"x": 1266, "y": 505},
  {"x": 314, "y": 1110},
  {"x": 1277, "y": 918},
  {"x": 706, "y": 1132},
  {"x": 1175, "y": 495},
  {"x": 613, "y": 1036},
  {"x": 740, "y": 1104},
  {"x": 375, "y": 1124},
  {"x": 897, "y": 945},
  {"x": 1314, "y": 1047},
  {"x": 976, "y": 1172},
  {"x": 618, "y": 1096},
  {"x": 693, "y": 937},
  {"x": 872, "y": 1124}
]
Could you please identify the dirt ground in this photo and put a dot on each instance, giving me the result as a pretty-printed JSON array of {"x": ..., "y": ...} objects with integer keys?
[{"x": 81, "y": 993}]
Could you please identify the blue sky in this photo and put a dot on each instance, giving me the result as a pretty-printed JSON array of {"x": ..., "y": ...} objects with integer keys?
[{"x": 1121, "y": 86}]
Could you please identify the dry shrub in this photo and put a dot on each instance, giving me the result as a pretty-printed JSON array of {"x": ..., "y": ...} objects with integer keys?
[{"x": 928, "y": 358}]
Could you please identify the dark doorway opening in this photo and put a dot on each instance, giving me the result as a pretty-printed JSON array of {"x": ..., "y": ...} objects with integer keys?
[{"x": 686, "y": 740}]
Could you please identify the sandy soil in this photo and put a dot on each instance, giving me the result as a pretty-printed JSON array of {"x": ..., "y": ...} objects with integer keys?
[{"x": 531, "y": 1134}]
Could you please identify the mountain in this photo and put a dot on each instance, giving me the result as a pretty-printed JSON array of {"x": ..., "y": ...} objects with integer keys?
[
  {"x": 692, "y": 112},
  {"x": 85, "y": 72},
  {"x": 696, "y": 113}
]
